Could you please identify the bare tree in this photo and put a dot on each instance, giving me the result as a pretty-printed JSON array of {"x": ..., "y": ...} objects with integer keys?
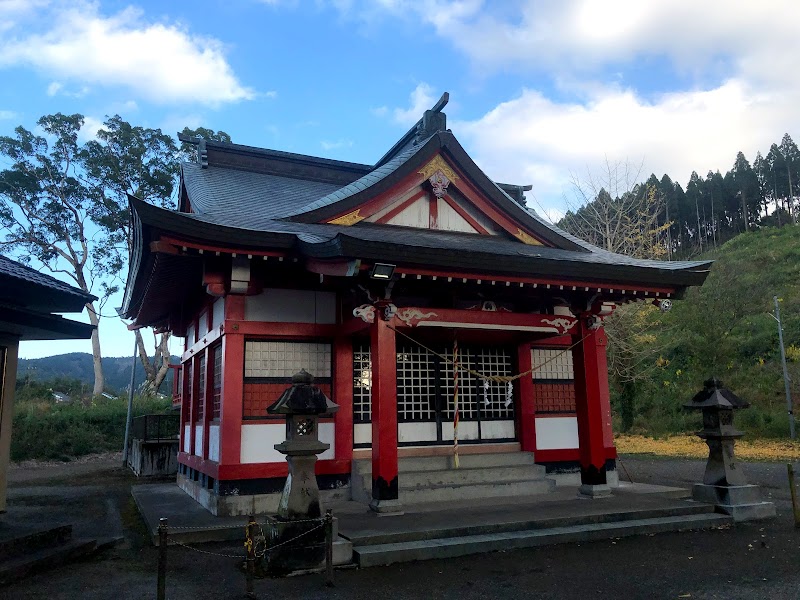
[{"x": 614, "y": 211}]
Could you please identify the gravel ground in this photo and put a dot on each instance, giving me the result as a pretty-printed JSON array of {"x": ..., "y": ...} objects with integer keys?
[{"x": 750, "y": 560}]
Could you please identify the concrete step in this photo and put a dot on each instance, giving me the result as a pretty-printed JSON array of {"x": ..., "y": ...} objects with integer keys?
[
  {"x": 445, "y": 493},
  {"x": 528, "y": 524},
  {"x": 386, "y": 554},
  {"x": 467, "y": 476},
  {"x": 466, "y": 461},
  {"x": 44, "y": 559},
  {"x": 25, "y": 541}
]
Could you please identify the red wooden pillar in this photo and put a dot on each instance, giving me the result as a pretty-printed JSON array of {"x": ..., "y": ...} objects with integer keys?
[
  {"x": 384, "y": 418},
  {"x": 526, "y": 401},
  {"x": 230, "y": 430},
  {"x": 591, "y": 395},
  {"x": 185, "y": 403},
  {"x": 343, "y": 396}
]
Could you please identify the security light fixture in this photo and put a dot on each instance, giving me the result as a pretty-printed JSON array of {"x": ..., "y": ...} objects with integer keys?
[{"x": 382, "y": 271}]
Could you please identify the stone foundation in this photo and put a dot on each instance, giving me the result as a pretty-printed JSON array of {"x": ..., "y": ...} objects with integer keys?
[{"x": 153, "y": 458}]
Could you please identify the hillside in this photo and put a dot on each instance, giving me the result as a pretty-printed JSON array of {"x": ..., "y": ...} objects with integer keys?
[
  {"x": 78, "y": 365},
  {"x": 725, "y": 329}
]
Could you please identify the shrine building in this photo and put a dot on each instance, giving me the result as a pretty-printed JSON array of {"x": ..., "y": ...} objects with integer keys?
[{"x": 395, "y": 284}]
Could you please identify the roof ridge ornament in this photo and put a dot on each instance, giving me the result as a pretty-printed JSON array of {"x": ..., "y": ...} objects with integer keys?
[{"x": 432, "y": 120}]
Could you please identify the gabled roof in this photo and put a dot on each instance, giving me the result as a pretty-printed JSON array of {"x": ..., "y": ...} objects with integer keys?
[
  {"x": 243, "y": 198},
  {"x": 28, "y": 300}
]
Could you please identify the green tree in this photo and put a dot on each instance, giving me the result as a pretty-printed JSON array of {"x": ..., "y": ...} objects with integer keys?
[
  {"x": 46, "y": 206},
  {"x": 142, "y": 162}
]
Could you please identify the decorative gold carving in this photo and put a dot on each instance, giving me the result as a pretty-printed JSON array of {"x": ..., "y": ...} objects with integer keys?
[
  {"x": 412, "y": 316},
  {"x": 349, "y": 219},
  {"x": 562, "y": 324},
  {"x": 527, "y": 239},
  {"x": 438, "y": 164}
]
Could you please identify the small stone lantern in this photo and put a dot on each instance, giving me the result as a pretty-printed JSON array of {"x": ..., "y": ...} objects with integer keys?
[
  {"x": 724, "y": 484},
  {"x": 299, "y": 508}
]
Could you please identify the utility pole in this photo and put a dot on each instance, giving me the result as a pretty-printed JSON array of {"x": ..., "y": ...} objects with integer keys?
[
  {"x": 130, "y": 408},
  {"x": 789, "y": 408}
]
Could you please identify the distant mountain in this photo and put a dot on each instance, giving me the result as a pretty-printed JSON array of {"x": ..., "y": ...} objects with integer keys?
[{"x": 79, "y": 365}]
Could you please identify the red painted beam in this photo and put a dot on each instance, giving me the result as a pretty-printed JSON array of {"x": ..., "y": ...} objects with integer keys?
[
  {"x": 465, "y": 215},
  {"x": 179, "y": 244},
  {"x": 257, "y": 470},
  {"x": 280, "y": 330},
  {"x": 424, "y": 317},
  {"x": 401, "y": 206},
  {"x": 566, "y": 455},
  {"x": 384, "y": 413}
]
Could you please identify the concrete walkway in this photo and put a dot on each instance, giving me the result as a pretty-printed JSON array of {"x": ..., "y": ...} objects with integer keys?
[{"x": 456, "y": 528}]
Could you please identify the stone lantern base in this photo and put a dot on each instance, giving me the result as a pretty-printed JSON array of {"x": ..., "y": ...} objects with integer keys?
[{"x": 742, "y": 502}]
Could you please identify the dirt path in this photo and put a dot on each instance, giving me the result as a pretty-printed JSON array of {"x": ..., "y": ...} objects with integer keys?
[
  {"x": 748, "y": 561},
  {"x": 42, "y": 470}
]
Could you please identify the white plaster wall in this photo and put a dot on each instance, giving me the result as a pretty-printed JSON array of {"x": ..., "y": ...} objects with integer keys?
[
  {"x": 258, "y": 442},
  {"x": 450, "y": 220},
  {"x": 190, "y": 335},
  {"x": 202, "y": 325},
  {"x": 495, "y": 430},
  {"x": 218, "y": 312},
  {"x": 213, "y": 442},
  {"x": 389, "y": 207},
  {"x": 186, "y": 441},
  {"x": 417, "y": 215},
  {"x": 362, "y": 433},
  {"x": 556, "y": 433},
  {"x": 416, "y": 432},
  {"x": 481, "y": 218},
  {"x": 467, "y": 430},
  {"x": 198, "y": 440},
  {"x": 291, "y": 306}
]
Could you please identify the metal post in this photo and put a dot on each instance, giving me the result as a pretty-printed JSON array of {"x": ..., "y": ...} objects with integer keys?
[
  {"x": 795, "y": 507},
  {"x": 249, "y": 543},
  {"x": 130, "y": 409},
  {"x": 789, "y": 406},
  {"x": 162, "y": 560},
  {"x": 328, "y": 548}
]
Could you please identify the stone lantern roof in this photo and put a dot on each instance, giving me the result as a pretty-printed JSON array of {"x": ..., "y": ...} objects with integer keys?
[
  {"x": 714, "y": 395},
  {"x": 302, "y": 398}
]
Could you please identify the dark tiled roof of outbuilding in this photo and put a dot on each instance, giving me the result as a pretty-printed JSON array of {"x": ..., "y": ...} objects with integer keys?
[{"x": 56, "y": 296}]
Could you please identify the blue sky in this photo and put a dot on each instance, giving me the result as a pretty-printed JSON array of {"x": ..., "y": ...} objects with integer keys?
[{"x": 540, "y": 90}]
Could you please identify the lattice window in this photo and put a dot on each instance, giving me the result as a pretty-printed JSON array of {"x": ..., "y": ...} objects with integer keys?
[
  {"x": 284, "y": 359},
  {"x": 416, "y": 384},
  {"x": 188, "y": 378},
  {"x": 553, "y": 380},
  {"x": 552, "y": 363},
  {"x": 269, "y": 366},
  {"x": 201, "y": 388},
  {"x": 362, "y": 383},
  {"x": 494, "y": 361},
  {"x": 469, "y": 394},
  {"x": 216, "y": 381}
]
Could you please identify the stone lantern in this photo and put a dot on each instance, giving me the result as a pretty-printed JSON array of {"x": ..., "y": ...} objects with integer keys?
[
  {"x": 724, "y": 484},
  {"x": 302, "y": 404}
]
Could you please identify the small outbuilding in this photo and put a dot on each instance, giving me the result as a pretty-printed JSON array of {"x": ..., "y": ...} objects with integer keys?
[{"x": 30, "y": 307}]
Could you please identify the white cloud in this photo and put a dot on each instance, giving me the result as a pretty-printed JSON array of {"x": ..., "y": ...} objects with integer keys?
[
  {"x": 326, "y": 145},
  {"x": 91, "y": 125},
  {"x": 162, "y": 62},
  {"x": 729, "y": 68},
  {"x": 420, "y": 100},
  {"x": 534, "y": 140},
  {"x": 7, "y": 114}
]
